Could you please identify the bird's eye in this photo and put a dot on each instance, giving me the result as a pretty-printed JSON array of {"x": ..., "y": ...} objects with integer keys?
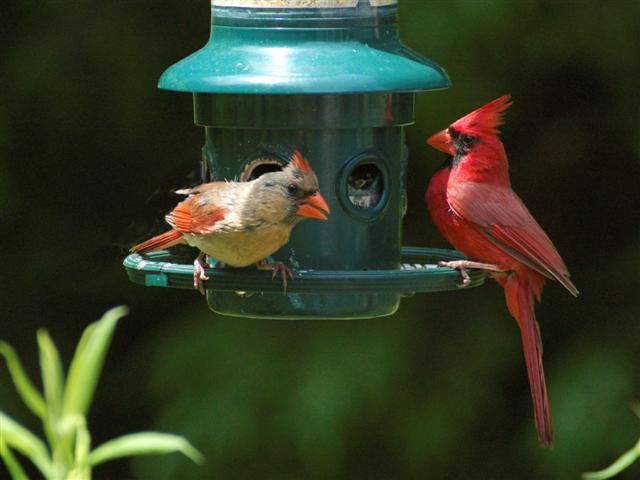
[
  {"x": 292, "y": 188},
  {"x": 468, "y": 140}
]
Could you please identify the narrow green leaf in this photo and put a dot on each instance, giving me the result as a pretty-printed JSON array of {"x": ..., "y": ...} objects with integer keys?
[
  {"x": 86, "y": 366},
  {"x": 27, "y": 391},
  {"x": 144, "y": 443},
  {"x": 83, "y": 444},
  {"x": 79, "y": 473},
  {"x": 25, "y": 442},
  {"x": 52, "y": 374},
  {"x": 84, "y": 338},
  {"x": 616, "y": 467},
  {"x": 11, "y": 462}
]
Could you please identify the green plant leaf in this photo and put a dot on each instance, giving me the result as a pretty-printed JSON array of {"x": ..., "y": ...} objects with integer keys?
[
  {"x": 616, "y": 467},
  {"x": 83, "y": 444},
  {"x": 27, "y": 391},
  {"x": 84, "y": 338},
  {"x": 14, "y": 467},
  {"x": 25, "y": 442},
  {"x": 52, "y": 374},
  {"x": 144, "y": 443},
  {"x": 86, "y": 366},
  {"x": 53, "y": 382}
]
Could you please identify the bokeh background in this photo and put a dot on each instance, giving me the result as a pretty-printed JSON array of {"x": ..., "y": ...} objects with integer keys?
[{"x": 89, "y": 149}]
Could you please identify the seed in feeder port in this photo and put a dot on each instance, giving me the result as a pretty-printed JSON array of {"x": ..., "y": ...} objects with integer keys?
[{"x": 365, "y": 186}]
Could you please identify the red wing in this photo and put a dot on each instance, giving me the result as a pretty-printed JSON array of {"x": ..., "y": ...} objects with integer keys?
[
  {"x": 194, "y": 216},
  {"x": 505, "y": 220}
]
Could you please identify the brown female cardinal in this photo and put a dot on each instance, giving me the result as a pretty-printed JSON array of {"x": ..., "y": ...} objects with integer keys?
[
  {"x": 472, "y": 205},
  {"x": 242, "y": 223}
]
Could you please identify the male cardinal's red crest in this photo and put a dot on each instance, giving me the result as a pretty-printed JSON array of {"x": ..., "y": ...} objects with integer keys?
[
  {"x": 472, "y": 204},
  {"x": 486, "y": 119},
  {"x": 242, "y": 223}
]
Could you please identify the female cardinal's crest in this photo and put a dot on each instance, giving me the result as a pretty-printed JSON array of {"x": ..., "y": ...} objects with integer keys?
[
  {"x": 300, "y": 163},
  {"x": 485, "y": 119}
]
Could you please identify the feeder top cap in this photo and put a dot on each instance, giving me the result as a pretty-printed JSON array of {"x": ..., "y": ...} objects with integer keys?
[
  {"x": 304, "y": 47},
  {"x": 304, "y": 13},
  {"x": 301, "y": 3},
  {"x": 307, "y": 8}
]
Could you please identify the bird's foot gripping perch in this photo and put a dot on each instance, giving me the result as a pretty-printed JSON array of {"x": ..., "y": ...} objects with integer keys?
[
  {"x": 277, "y": 268},
  {"x": 462, "y": 265},
  {"x": 199, "y": 275}
]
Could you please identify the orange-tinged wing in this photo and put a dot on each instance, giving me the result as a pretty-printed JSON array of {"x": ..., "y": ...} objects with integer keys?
[
  {"x": 502, "y": 217},
  {"x": 195, "y": 215}
]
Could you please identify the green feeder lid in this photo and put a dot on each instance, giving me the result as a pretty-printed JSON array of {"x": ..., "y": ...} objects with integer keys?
[
  {"x": 418, "y": 273},
  {"x": 318, "y": 50}
]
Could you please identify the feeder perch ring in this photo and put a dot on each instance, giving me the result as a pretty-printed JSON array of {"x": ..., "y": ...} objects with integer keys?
[{"x": 418, "y": 273}]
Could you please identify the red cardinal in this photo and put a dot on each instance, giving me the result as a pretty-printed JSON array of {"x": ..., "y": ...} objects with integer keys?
[
  {"x": 472, "y": 205},
  {"x": 242, "y": 223}
]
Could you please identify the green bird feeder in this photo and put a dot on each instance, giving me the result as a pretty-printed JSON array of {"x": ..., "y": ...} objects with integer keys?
[{"x": 332, "y": 79}]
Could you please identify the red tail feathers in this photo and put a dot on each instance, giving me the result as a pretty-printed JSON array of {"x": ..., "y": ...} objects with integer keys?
[
  {"x": 160, "y": 242},
  {"x": 521, "y": 289}
]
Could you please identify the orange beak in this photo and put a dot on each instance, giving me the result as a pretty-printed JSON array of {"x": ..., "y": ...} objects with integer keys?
[
  {"x": 314, "y": 206},
  {"x": 442, "y": 141}
]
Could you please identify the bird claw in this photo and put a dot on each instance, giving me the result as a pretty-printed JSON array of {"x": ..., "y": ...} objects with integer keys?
[
  {"x": 199, "y": 274},
  {"x": 460, "y": 266},
  {"x": 277, "y": 268}
]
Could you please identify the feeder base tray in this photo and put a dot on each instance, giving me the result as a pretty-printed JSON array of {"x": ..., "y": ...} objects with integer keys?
[{"x": 312, "y": 294}]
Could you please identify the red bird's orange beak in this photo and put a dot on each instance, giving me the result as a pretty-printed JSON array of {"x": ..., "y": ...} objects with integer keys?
[
  {"x": 442, "y": 141},
  {"x": 314, "y": 206}
]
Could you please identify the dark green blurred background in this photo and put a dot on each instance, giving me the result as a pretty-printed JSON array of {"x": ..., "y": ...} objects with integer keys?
[{"x": 89, "y": 147}]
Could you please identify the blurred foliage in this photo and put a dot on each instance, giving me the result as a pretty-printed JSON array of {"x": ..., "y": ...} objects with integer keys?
[
  {"x": 89, "y": 146},
  {"x": 621, "y": 463},
  {"x": 62, "y": 409}
]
